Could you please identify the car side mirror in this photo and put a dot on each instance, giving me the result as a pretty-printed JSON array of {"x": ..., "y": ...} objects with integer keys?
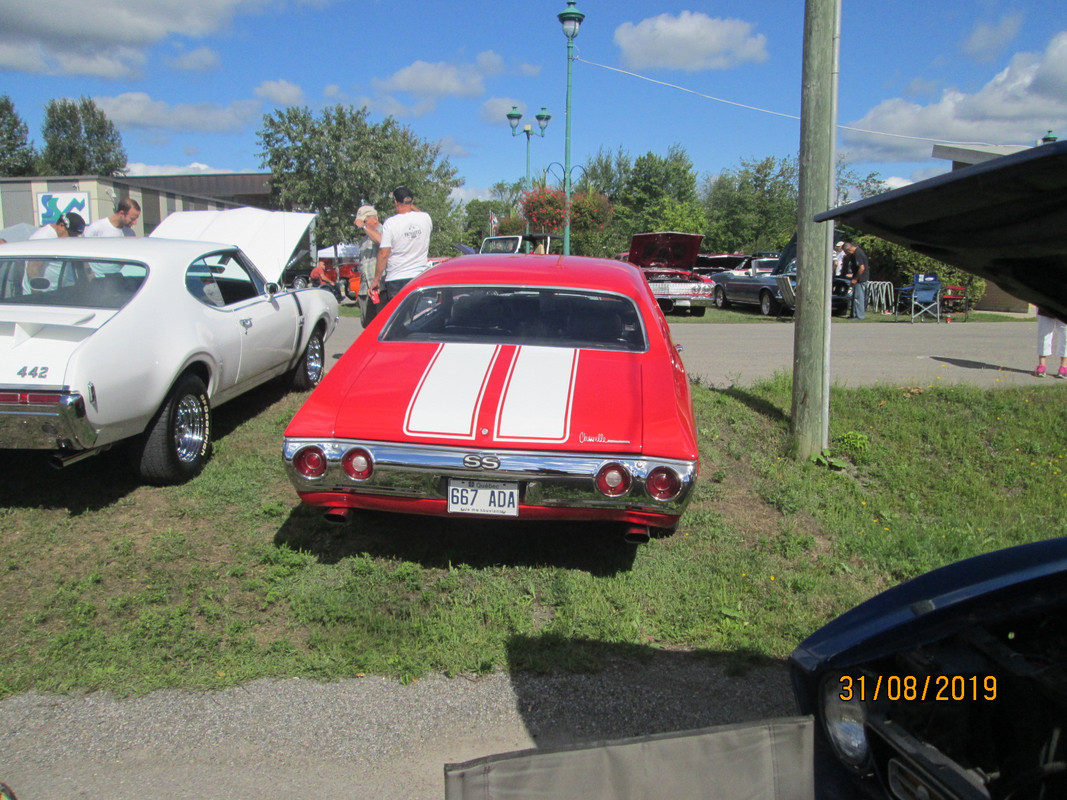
[{"x": 272, "y": 289}]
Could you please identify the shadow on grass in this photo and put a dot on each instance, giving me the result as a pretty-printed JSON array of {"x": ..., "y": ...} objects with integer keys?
[
  {"x": 27, "y": 480},
  {"x": 758, "y": 404},
  {"x": 613, "y": 691},
  {"x": 596, "y": 548}
]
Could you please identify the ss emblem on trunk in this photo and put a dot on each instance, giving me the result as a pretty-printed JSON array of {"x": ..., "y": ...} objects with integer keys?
[{"x": 472, "y": 461}]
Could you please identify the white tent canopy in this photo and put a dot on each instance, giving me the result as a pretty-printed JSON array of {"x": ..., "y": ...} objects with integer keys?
[{"x": 346, "y": 252}]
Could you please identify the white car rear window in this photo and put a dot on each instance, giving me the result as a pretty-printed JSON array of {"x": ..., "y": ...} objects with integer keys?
[{"x": 70, "y": 283}]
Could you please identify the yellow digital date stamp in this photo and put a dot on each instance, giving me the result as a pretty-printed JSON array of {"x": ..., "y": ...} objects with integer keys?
[{"x": 938, "y": 688}]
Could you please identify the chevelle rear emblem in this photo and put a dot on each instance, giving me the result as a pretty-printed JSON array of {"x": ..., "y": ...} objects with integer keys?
[
  {"x": 474, "y": 461},
  {"x": 600, "y": 438}
]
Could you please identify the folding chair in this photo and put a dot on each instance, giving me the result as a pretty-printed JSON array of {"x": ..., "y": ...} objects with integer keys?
[
  {"x": 923, "y": 297},
  {"x": 789, "y": 297},
  {"x": 954, "y": 300}
]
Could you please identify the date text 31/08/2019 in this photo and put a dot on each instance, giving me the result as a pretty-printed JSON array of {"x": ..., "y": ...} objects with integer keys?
[{"x": 943, "y": 688}]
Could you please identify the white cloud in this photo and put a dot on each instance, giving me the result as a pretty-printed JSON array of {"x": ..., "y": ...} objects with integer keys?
[
  {"x": 34, "y": 57},
  {"x": 137, "y": 169},
  {"x": 451, "y": 147},
  {"x": 280, "y": 92},
  {"x": 104, "y": 40},
  {"x": 139, "y": 110},
  {"x": 691, "y": 41},
  {"x": 428, "y": 83},
  {"x": 986, "y": 42},
  {"x": 495, "y": 109},
  {"x": 464, "y": 194},
  {"x": 1015, "y": 107},
  {"x": 202, "y": 59}
]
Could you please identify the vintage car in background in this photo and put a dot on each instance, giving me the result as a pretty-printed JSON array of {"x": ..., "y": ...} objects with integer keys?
[
  {"x": 668, "y": 260},
  {"x": 756, "y": 284},
  {"x": 952, "y": 685},
  {"x": 529, "y": 243},
  {"x": 137, "y": 340},
  {"x": 517, "y": 387}
]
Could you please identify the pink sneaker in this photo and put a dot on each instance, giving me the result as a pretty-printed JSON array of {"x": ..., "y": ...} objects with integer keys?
[
  {"x": 1040, "y": 371},
  {"x": 1063, "y": 372}
]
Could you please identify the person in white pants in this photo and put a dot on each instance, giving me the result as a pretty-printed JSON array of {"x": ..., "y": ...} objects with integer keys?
[{"x": 1051, "y": 340}]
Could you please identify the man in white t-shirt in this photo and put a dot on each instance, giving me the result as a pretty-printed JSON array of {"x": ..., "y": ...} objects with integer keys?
[
  {"x": 118, "y": 224},
  {"x": 405, "y": 246}
]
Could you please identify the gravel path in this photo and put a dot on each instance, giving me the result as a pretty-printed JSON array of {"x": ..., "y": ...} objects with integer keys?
[{"x": 362, "y": 738}]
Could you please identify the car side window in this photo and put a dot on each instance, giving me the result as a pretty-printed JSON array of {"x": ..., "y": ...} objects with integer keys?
[{"x": 222, "y": 279}]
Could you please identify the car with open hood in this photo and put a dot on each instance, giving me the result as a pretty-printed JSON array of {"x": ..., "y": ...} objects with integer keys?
[
  {"x": 669, "y": 262},
  {"x": 519, "y": 387},
  {"x": 952, "y": 685},
  {"x": 137, "y": 340}
]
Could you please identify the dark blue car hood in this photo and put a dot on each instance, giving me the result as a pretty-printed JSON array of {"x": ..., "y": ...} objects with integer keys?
[{"x": 938, "y": 603}]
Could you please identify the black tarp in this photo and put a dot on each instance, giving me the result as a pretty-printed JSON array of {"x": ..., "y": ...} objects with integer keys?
[{"x": 1004, "y": 220}]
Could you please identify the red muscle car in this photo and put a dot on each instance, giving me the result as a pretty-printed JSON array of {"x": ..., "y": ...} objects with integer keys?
[{"x": 515, "y": 386}]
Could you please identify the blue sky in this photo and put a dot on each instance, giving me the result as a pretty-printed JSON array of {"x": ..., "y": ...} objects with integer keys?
[{"x": 187, "y": 82}]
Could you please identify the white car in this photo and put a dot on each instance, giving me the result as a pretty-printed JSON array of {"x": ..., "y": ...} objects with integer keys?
[{"x": 110, "y": 340}]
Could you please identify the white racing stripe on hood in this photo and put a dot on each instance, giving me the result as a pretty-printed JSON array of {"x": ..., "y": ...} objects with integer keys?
[
  {"x": 448, "y": 396},
  {"x": 536, "y": 405}
]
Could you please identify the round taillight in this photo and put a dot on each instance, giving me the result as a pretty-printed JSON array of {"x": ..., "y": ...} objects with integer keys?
[
  {"x": 310, "y": 461},
  {"x": 663, "y": 483},
  {"x": 357, "y": 464},
  {"x": 613, "y": 480}
]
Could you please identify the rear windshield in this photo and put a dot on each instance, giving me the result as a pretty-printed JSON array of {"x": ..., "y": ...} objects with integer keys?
[
  {"x": 515, "y": 315},
  {"x": 69, "y": 283}
]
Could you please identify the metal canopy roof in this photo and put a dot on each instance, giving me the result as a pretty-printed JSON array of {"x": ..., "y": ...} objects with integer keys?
[{"x": 1004, "y": 219}]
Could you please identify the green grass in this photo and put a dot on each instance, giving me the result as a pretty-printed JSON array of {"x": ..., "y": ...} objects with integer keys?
[{"x": 110, "y": 585}]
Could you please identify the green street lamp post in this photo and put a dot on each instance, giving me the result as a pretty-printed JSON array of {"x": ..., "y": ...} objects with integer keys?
[
  {"x": 571, "y": 20},
  {"x": 514, "y": 117}
]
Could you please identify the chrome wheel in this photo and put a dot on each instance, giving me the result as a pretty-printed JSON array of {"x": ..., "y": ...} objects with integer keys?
[{"x": 190, "y": 429}]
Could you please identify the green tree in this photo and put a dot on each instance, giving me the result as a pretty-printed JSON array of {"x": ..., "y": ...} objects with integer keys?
[
  {"x": 79, "y": 139},
  {"x": 892, "y": 262},
  {"x": 753, "y": 207},
  {"x": 334, "y": 162},
  {"x": 653, "y": 179},
  {"x": 17, "y": 155}
]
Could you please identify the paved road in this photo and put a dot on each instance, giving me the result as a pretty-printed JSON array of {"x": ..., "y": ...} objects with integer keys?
[
  {"x": 374, "y": 738},
  {"x": 988, "y": 354}
]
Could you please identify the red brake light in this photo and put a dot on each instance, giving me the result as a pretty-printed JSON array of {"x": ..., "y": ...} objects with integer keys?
[
  {"x": 613, "y": 480},
  {"x": 357, "y": 464},
  {"x": 310, "y": 462},
  {"x": 663, "y": 483}
]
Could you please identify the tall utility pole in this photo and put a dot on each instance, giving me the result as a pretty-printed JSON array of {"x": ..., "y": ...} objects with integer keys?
[{"x": 818, "y": 123}]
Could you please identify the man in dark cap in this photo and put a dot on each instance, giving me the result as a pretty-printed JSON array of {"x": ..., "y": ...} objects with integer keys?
[
  {"x": 69, "y": 224},
  {"x": 404, "y": 250}
]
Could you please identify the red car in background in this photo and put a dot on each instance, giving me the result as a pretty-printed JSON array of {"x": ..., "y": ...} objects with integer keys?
[
  {"x": 515, "y": 386},
  {"x": 669, "y": 261}
]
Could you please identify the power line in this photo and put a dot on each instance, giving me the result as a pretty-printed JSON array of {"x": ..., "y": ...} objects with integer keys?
[{"x": 772, "y": 113}]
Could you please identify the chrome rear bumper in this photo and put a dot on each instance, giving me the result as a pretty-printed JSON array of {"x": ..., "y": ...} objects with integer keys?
[
  {"x": 557, "y": 480},
  {"x": 44, "y": 420}
]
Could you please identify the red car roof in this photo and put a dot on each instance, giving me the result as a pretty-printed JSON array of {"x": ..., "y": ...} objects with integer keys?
[{"x": 517, "y": 270}]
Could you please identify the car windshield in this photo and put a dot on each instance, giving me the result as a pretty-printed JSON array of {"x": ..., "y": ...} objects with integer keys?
[
  {"x": 518, "y": 315},
  {"x": 69, "y": 283}
]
